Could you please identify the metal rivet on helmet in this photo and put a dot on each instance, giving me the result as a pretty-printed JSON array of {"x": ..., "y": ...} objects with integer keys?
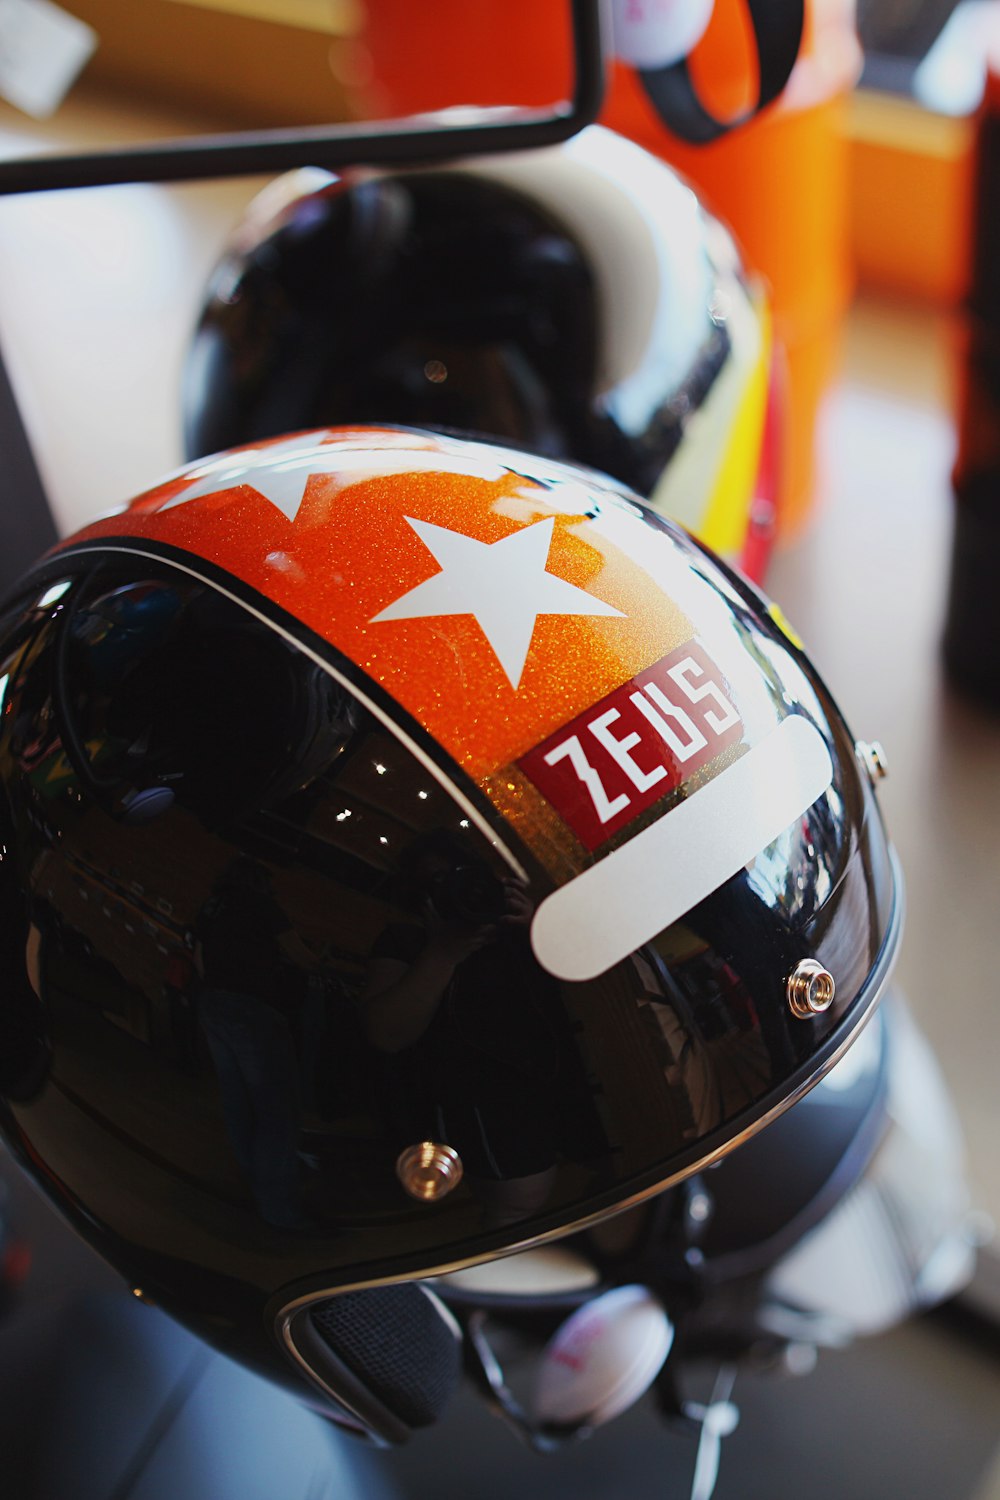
[
  {"x": 429, "y": 1171},
  {"x": 810, "y": 989},
  {"x": 873, "y": 757}
]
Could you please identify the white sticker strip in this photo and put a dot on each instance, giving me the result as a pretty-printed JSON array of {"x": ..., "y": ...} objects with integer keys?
[
  {"x": 42, "y": 49},
  {"x": 631, "y": 895}
]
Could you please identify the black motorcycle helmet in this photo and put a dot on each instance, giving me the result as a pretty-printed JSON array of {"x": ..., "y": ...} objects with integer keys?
[
  {"x": 412, "y": 852},
  {"x": 577, "y": 301}
]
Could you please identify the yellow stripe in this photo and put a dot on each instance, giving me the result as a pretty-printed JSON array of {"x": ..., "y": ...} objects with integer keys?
[
  {"x": 726, "y": 515},
  {"x": 708, "y": 485}
]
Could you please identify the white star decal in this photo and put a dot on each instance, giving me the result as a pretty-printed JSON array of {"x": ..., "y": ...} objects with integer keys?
[
  {"x": 282, "y": 480},
  {"x": 281, "y": 471},
  {"x": 503, "y": 584}
]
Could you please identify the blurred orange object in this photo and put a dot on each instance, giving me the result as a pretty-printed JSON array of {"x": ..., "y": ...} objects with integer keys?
[
  {"x": 911, "y": 187},
  {"x": 413, "y": 59},
  {"x": 780, "y": 182}
]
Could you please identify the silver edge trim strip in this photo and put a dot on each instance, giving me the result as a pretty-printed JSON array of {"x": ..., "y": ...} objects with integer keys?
[
  {"x": 861, "y": 1014},
  {"x": 866, "y": 1000}
]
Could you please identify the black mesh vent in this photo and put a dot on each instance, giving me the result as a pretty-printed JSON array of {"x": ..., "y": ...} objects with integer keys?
[{"x": 396, "y": 1342}]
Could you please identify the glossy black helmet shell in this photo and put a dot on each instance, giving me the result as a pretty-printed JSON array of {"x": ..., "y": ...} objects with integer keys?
[{"x": 243, "y": 731}]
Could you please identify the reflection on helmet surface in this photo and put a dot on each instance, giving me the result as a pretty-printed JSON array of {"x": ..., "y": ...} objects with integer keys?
[
  {"x": 578, "y": 301},
  {"x": 260, "y": 988}
]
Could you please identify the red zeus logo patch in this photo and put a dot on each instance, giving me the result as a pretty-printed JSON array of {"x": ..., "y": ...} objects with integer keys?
[{"x": 639, "y": 743}]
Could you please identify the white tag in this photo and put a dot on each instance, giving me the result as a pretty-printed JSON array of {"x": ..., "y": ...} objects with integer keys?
[
  {"x": 604, "y": 1357},
  {"x": 646, "y": 884},
  {"x": 42, "y": 49},
  {"x": 718, "y": 1419},
  {"x": 655, "y": 33},
  {"x": 717, "y": 1422}
]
